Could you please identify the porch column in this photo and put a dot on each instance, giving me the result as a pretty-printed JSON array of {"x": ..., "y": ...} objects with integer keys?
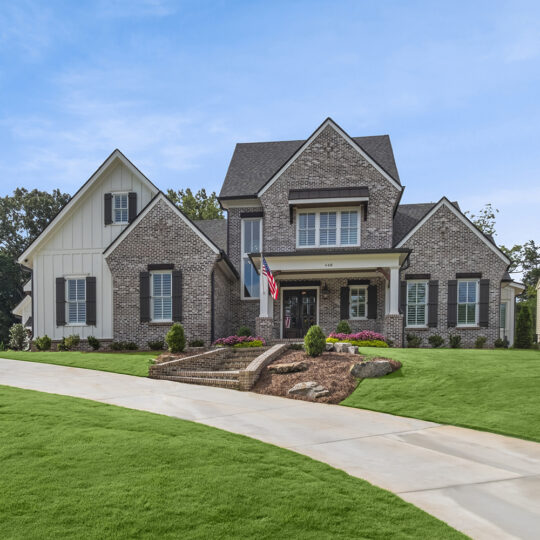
[
  {"x": 394, "y": 292},
  {"x": 265, "y": 321}
]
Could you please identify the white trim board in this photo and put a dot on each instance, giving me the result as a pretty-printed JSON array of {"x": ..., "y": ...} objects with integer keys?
[
  {"x": 445, "y": 202},
  {"x": 116, "y": 155},
  {"x": 328, "y": 122},
  {"x": 159, "y": 197}
]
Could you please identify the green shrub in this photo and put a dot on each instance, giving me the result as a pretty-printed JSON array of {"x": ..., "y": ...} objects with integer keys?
[
  {"x": 244, "y": 331},
  {"x": 244, "y": 344},
  {"x": 343, "y": 328},
  {"x": 94, "y": 342},
  {"x": 123, "y": 346},
  {"x": 501, "y": 343},
  {"x": 332, "y": 340},
  {"x": 175, "y": 338},
  {"x": 315, "y": 341},
  {"x": 524, "y": 331},
  {"x": 368, "y": 343},
  {"x": 2, "y": 346},
  {"x": 18, "y": 337},
  {"x": 72, "y": 341},
  {"x": 296, "y": 346},
  {"x": 156, "y": 345},
  {"x": 196, "y": 343},
  {"x": 436, "y": 341},
  {"x": 413, "y": 341},
  {"x": 454, "y": 342},
  {"x": 480, "y": 342},
  {"x": 43, "y": 343}
]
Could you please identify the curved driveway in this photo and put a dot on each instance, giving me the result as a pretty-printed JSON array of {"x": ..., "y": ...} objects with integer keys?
[{"x": 486, "y": 485}]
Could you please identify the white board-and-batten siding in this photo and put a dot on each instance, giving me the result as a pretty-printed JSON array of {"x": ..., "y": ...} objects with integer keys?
[{"x": 75, "y": 249}]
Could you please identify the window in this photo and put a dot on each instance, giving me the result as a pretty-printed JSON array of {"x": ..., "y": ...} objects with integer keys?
[
  {"x": 161, "y": 296},
  {"x": 328, "y": 228},
  {"x": 76, "y": 301},
  {"x": 467, "y": 303},
  {"x": 416, "y": 303},
  {"x": 502, "y": 316},
  {"x": 120, "y": 208},
  {"x": 358, "y": 302},
  {"x": 251, "y": 243}
]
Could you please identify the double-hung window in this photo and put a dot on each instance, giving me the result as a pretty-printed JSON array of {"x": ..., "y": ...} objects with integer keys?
[
  {"x": 417, "y": 293},
  {"x": 251, "y": 243},
  {"x": 161, "y": 296},
  {"x": 321, "y": 228},
  {"x": 120, "y": 208},
  {"x": 358, "y": 302},
  {"x": 76, "y": 300},
  {"x": 467, "y": 303}
]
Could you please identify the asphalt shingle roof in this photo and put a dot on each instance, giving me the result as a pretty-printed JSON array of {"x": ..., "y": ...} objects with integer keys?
[
  {"x": 407, "y": 216},
  {"x": 253, "y": 164},
  {"x": 215, "y": 229}
]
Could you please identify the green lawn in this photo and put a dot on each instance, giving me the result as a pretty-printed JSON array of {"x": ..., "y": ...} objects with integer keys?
[
  {"x": 490, "y": 390},
  {"x": 73, "y": 468},
  {"x": 130, "y": 363}
]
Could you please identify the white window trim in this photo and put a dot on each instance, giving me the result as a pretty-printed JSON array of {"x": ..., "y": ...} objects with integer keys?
[
  {"x": 477, "y": 308},
  {"x": 113, "y": 194},
  {"x": 152, "y": 273},
  {"x": 365, "y": 287},
  {"x": 244, "y": 256},
  {"x": 317, "y": 212},
  {"x": 66, "y": 279},
  {"x": 425, "y": 325}
]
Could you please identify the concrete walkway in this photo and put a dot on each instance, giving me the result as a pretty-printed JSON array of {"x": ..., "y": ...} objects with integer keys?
[{"x": 486, "y": 485}]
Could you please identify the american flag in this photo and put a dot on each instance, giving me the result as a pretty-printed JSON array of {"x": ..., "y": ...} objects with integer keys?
[{"x": 272, "y": 285}]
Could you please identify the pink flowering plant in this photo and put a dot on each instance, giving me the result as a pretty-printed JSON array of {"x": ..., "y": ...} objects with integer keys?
[
  {"x": 365, "y": 335},
  {"x": 239, "y": 341}
]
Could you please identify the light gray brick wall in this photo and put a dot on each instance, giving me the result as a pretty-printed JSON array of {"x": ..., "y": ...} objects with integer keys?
[
  {"x": 161, "y": 237},
  {"x": 223, "y": 321},
  {"x": 443, "y": 246}
]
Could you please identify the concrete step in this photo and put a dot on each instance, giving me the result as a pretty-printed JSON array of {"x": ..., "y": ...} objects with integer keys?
[{"x": 204, "y": 374}]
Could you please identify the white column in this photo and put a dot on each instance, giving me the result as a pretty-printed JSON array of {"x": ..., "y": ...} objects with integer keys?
[
  {"x": 394, "y": 291},
  {"x": 265, "y": 300}
]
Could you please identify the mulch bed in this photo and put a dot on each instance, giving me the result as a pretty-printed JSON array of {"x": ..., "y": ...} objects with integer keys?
[{"x": 331, "y": 370}]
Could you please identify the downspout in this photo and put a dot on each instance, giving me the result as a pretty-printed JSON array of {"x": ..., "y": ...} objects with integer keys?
[
  {"x": 406, "y": 264},
  {"x": 212, "y": 306}
]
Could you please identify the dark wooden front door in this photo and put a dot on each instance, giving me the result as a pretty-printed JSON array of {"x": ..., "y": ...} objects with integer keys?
[{"x": 299, "y": 312}]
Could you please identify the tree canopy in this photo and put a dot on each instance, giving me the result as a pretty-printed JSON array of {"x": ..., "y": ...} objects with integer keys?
[{"x": 196, "y": 206}]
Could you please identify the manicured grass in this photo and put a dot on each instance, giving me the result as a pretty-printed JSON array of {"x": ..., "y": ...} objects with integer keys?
[
  {"x": 130, "y": 363},
  {"x": 73, "y": 468},
  {"x": 490, "y": 390}
]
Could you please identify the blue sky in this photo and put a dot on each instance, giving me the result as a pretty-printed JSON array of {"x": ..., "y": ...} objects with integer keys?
[{"x": 175, "y": 85}]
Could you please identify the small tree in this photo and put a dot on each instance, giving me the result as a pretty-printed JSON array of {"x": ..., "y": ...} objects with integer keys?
[
  {"x": 343, "y": 328},
  {"x": 315, "y": 341},
  {"x": 244, "y": 331},
  {"x": 524, "y": 328},
  {"x": 175, "y": 338},
  {"x": 17, "y": 337},
  {"x": 43, "y": 343}
]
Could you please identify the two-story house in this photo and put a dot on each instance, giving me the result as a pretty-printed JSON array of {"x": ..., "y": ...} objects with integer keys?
[{"x": 122, "y": 262}]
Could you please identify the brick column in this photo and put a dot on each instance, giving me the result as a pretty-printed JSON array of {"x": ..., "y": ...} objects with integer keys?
[
  {"x": 263, "y": 327},
  {"x": 393, "y": 329}
]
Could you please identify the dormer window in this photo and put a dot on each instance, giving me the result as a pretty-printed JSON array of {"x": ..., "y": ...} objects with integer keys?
[
  {"x": 328, "y": 228},
  {"x": 120, "y": 208}
]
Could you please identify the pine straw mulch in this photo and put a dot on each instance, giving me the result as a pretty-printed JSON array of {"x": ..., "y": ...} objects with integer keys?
[{"x": 330, "y": 370}]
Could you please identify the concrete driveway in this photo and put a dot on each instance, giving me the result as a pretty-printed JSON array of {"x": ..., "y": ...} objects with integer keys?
[{"x": 486, "y": 485}]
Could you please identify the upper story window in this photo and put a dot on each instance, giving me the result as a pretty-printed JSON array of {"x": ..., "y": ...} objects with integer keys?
[
  {"x": 76, "y": 300},
  {"x": 251, "y": 243},
  {"x": 328, "y": 228},
  {"x": 467, "y": 303},
  {"x": 120, "y": 208},
  {"x": 417, "y": 293},
  {"x": 358, "y": 302},
  {"x": 161, "y": 296}
]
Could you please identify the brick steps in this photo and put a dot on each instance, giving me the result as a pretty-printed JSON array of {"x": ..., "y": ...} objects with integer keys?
[{"x": 206, "y": 381}]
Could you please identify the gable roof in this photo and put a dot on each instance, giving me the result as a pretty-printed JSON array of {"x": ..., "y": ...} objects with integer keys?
[
  {"x": 254, "y": 164},
  {"x": 215, "y": 229},
  {"x": 462, "y": 217},
  {"x": 115, "y": 156}
]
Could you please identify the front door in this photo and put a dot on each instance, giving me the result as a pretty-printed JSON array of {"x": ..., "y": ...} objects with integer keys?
[{"x": 299, "y": 312}]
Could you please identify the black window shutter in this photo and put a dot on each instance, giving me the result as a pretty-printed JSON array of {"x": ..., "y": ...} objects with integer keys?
[
  {"x": 177, "y": 295},
  {"x": 344, "y": 303},
  {"x": 433, "y": 303},
  {"x": 91, "y": 301},
  {"x": 60, "y": 301},
  {"x": 484, "y": 303},
  {"x": 132, "y": 206},
  {"x": 144, "y": 296},
  {"x": 372, "y": 302},
  {"x": 452, "y": 303},
  {"x": 403, "y": 297},
  {"x": 107, "y": 208}
]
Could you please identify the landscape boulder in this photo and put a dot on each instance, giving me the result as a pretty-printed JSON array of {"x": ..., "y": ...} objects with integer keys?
[
  {"x": 329, "y": 347},
  {"x": 341, "y": 347},
  {"x": 374, "y": 368},
  {"x": 352, "y": 349},
  {"x": 291, "y": 367},
  {"x": 309, "y": 389}
]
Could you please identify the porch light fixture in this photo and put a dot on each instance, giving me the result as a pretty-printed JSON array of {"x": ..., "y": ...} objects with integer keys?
[{"x": 325, "y": 290}]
